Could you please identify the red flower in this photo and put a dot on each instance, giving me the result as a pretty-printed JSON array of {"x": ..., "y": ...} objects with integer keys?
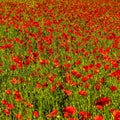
[
  {"x": 98, "y": 65},
  {"x": 59, "y": 84},
  {"x": 99, "y": 107},
  {"x": 102, "y": 101},
  {"x": 6, "y": 112},
  {"x": 13, "y": 67},
  {"x": 84, "y": 79},
  {"x": 38, "y": 85},
  {"x": 77, "y": 62},
  {"x": 106, "y": 67},
  {"x": 19, "y": 116},
  {"x": 15, "y": 59},
  {"x": 87, "y": 85},
  {"x": 51, "y": 79},
  {"x": 65, "y": 36},
  {"x": 82, "y": 92},
  {"x": 36, "y": 114},
  {"x": 17, "y": 96},
  {"x": 68, "y": 77},
  {"x": 67, "y": 65},
  {"x": 115, "y": 74},
  {"x": 67, "y": 92},
  {"x": 45, "y": 62},
  {"x": 29, "y": 105},
  {"x": 70, "y": 110},
  {"x": 27, "y": 62},
  {"x": 68, "y": 58},
  {"x": 102, "y": 80},
  {"x": 53, "y": 113},
  {"x": 6, "y": 46},
  {"x": 8, "y": 92},
  {"x": 20, "y": 65},
  {"x": 98, "y": 117},
  {"x": 86, "y": 68},
  {"x": 56, "y": 63},
  {"x": 66, "y": 114},
  {"x": 14, "y": 81},
  {"x": 9, "y": 106},
  {"x": 113, "y": 88},
  {"x": 97, "y": 87},
  {"x": 116, "y": 114},
  {"x": 21, "y": 80},
  {"x": 84, "y": 114},
  {"x": 4, "y": 102},
  {"x": 74, "y": 72},
  {"x": 78, "y": 75},
  {"x": 53, "y": 88}
]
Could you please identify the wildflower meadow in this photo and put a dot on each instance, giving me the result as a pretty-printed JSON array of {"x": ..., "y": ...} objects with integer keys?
[{"x": 60, "y": 60}]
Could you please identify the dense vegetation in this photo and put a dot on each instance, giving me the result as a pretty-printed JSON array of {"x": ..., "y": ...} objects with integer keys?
[{"x": 60, "y": 60}]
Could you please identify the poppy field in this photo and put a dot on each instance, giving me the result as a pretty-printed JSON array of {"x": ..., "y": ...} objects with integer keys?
[{"x": 60, "y": 60}]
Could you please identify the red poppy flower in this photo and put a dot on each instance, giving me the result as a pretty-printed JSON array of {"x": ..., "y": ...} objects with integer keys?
[
  {"x": 98, "y": 117},
  {"x": 27, "y": 62},
  {"x": 53, "y": 113},
  {"x": 29, "y": 105},
  {"x": 51, "y": 79},
  {"x": 36, "y": 114},
  {"x": 77, "y": 62},
  {"x": 67, "y": 65},
  {"x": 74, "y": 72},
  {"x": 82, "y": 92},
  {"x": 67, "y": 92},
  {"x": 87, "y": 85},
  {"x": 59, "y": 84},
  {"x": 65, "y": 36},
  {"x": 9, "y": 106},
  {"x": 113, "y": 88},
  {"x": 68, "y": 58},
  {"x": 16, "y": 59},
  {"x": 68, "y": 77},
  {"x": 13, "y": 67},
  {"x": 70, "y": 110},
  {"x": 4, "y": 102},
  {"x": 99, "y": 107},
  {"x": 53, "y": 88},
  {"x": 106, "y": 67},
  {"x": 6, "y": 112},
  {"x": 20, "y": 65},
  {"x": 116, "y": 114},
  {"x": 18, "y": 97},
  {"x": 78, "y": 75},
  {"x": 84, "y": 79},
  {"x": 115, "y": 74},
  {"x": 84, "y": 114},
  {"x": 98, "y": 65},
  {"x": 66, "y": 114},
  {"x": 97, "y": 87},
  {"x": 56, "y": 63},
  {"x": 38, "y": 85},
  {"x": 86, "y": 68},
  {"x": 102, "y": 101},
  {"x": 18, "y": 116},
  {"x": 14, "y": 81},
  {"x": 8, "y": 92}
]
